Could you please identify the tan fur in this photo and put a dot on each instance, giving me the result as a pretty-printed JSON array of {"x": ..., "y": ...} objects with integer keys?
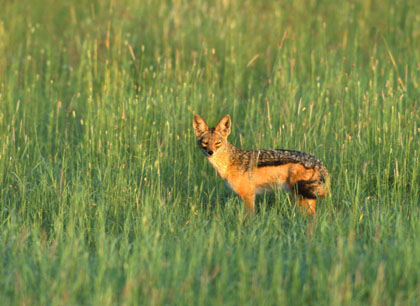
[{"x": 251, "y": 172}]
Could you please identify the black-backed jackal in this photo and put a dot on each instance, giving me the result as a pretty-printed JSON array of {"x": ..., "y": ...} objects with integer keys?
[{"x": 250, "y": 172}]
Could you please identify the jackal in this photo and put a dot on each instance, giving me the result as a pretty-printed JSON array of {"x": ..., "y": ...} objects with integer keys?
[{"x": 251, "y": 172}]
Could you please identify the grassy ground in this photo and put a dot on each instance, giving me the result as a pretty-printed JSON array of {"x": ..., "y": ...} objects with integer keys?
[{"x": 105, "y": 198}]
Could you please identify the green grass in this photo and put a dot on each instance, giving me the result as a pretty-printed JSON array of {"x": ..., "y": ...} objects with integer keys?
[{"x": 105, "y": 198}]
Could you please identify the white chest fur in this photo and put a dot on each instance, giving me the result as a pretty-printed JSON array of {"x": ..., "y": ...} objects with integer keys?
[{"x": 220, "y": 163}]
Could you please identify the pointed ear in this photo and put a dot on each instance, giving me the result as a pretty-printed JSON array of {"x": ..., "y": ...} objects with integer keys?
[
  {"x": 223, "y": 127},
  {"x": 200, "y": 126}
]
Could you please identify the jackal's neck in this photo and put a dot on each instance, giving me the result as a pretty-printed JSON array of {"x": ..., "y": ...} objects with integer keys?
[
  {"x": 222, "y": 160},
  {"x": 232, "y": 149}
]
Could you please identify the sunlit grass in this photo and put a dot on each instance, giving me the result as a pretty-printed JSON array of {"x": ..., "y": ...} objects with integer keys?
[{"x": 106, "y": 199}]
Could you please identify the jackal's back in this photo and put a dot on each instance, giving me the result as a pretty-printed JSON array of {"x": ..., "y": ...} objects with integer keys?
[
  {"x": 318, "y": 185},
  {"x": 280, "y": 157}
]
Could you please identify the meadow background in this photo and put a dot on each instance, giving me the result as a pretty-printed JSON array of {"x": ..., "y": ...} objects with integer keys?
[{"x": 105, "y": 198}]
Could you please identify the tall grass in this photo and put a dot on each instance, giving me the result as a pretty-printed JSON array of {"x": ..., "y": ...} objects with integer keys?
[{"x": 105, "y": 198}]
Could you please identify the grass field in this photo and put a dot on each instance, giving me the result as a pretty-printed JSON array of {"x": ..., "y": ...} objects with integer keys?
[{"x": 105, "y": 198}]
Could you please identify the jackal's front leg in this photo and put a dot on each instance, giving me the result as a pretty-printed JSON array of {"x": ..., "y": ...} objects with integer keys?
[{"x": 249, "y": 203}]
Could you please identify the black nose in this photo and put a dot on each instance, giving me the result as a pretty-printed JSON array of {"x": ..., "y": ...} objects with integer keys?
[{"x": 210, "y": 152}]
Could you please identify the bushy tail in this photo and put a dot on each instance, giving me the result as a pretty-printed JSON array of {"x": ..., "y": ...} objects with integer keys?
[
  {"x": 317, "y": 187},
  {"x": 324, "y": 182}
]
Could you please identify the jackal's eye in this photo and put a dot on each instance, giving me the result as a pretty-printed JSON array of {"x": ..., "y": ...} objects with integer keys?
[
  {"x": 218, "y": 143},
  {"x": 204, "y": 143}
]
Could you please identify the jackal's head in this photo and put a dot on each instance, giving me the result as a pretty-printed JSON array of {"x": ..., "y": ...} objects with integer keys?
[{"x": 212, "y": 140}]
